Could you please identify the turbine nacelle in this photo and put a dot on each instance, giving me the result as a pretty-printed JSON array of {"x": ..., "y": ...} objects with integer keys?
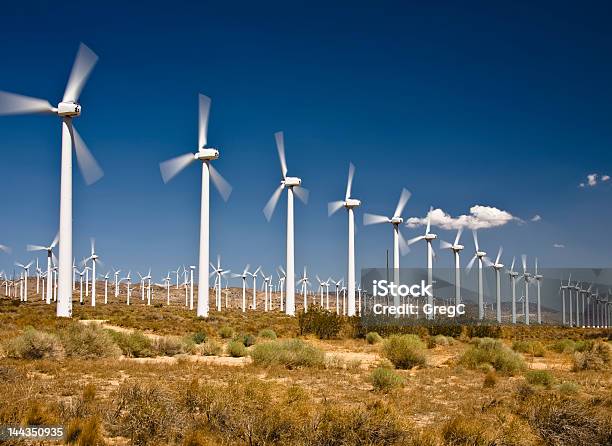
[
  {"x": 397, "y": 220},
  {"x": 352, "y": 203},
  {"x": 497, "y": 266},
  {"x": 457, "y": 247},
  {"x": 69, "y": 109},
  {"x": 291, "y": 181},
  {"x": 430, "y": 237},
  {"x": 480, "y": 254},
  {"x": 207, "y": 154}
]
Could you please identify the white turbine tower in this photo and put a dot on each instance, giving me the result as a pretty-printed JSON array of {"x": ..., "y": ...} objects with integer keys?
[
  {"x": 254, "y": 276},
  {"x": 293, "y": 185},
  {"x": 527, "y": 278},
  {"x": 172, "y": 167},
  {"x": 243, "y": 276},
  {"x": 350, "y": 204},
  {"x": 94, "y": 260},
  {"x": 456, "y": 248},
  {"x": 513, "y": 275},
  {"x": 497, "y": 267},
  {"x": 26, "y": 273},
  {"x": 538, "y": 278},
  {"x": 482, "y": 259},
  {"x": 12, "y": 104},
  {"x": 50, "y": 260},
  {"x": 399, "y": 243},
  {"x": 304, "y": 282}
]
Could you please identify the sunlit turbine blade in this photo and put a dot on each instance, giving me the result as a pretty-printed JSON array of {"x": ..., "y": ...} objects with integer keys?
[
  {"x": 415, "y": 239},
  {"x": 512, "y": 267},
  {"x": 524, "y": 261},
  {"x": 403, "y": 245},
  {"x": 333, "y": 207},
  {"x": 170, "y": 168},
  {"x": 373, "y": 219},
  {"x": 475, "y": 236},
  {"x": 224, "y": 188},
  {"x": 349, "y": 183},
  {"x": 280, "y": 146},
  {"x": 428, "y": 221},
  {"x": 16, "y": 104},
  {"x": 83, "y": 64},
  {"x": 302, "y": 193},
  {"x": 272, "y": 202},
  {"x": 35, "y": 248},
  {"x": 404, "y": 197},
  {"x": 53, "y": 258},
  {"x": 204, "y": 105},
  {"x": 246, "y": 270},
  {"x": 89, "y": 167},
  {"x": 487, "y": 261},
  {"x": 536, "y": 265},
  {"x": 445, "y": 245},
  {"x": 459, "y": 232},
  {"x": 55, "y": 241},
  {"x": 469, "y": 265},
  {"x": 499, "y": 253}
]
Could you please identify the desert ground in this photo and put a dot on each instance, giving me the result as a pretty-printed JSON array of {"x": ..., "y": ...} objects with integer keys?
[{"x": 158, "y": 375}]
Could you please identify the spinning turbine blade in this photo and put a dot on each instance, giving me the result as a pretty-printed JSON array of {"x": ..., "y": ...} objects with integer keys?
[
  {"x": 170, "y": 168},
  {"x": 272, "y": 202},
  {"x": 459, "y": 232},
  {"x": 349, "y": 183},
  {"x": 35, "y": 248},
  {"x": 16, "y": 104},
  {"x": 280, "y": 146},
  {"x": 302, "y": 193},
  {"x": 403, "y": 245},
  {"x": 469, "y": 265},
  {"x": 83, "y": 64},
  {"x": 487, "y": 261},
  {"x": 524, "y": 261},
  {"x": 428, "y": 221},
  {"x": 373, "y": 219},
  {"x": 224, "y": 188},
  {"x": 203, "y": 124},
  {"x": 55, "y": 241},
  {"x": 445, "y": 245},
  {"x": 475, "y": 236},
  {"x": 333, "y": 207},
  {"x": 90, "y": 169},
  {"x": 512, "y": 267},
  {"x": 53, "y": 258},
  {"x": 404, "y": 197},
  {"x": 415, "y": 239},
  {"x": 499, "y": 253}
]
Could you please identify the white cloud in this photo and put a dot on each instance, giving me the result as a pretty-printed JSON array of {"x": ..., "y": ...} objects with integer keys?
[
  {"x": 593, "y": 179},
  {"x": 605, "y": 177},
  {"x": 536, "y": 217},
  {"x": 558, "y": 245},
  {"x": 480, "y": 217}
]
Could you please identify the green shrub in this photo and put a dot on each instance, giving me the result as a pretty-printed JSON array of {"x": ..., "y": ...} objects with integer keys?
[
  {"x": 199, "y": 337},
  {"x": 539, "y": 378},
  {"x": 34, "y": 344},
  {"x": 88, "y": 341},
  {"x": 434, "y": 341},
  {"x": 385, "y": 379},
  {"x": 533, "y": 348},
  {"x": 493, "y": 352},
  {"x": 133, "y": 344},
  {"x": 210, "y": 348},
  {"x": 597, "y": 357},
  {"x": 563, "y": 346},
  {"x": 289, "y": 353},
  {"x": 568, "y": 388},
  {"x": 246, "y": 339},
  {"x": 236, "y": 349},
  {"x": 267, "y": 333},
  {"x": 169, "y": 346},
  {"x": 583, "y": 345},
  {"x": 404, "y": 351},
  {"x": 373, "y": 338},
  {"x": 226, "y": 332},
  {"x": 325, "y": 324}
]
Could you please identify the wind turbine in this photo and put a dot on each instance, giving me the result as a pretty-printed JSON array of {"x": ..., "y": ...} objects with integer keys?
[
  {"x": 497, "y": 267},
  {"x": 429, "y": 238},
  {"x": 105, "y": 276},
  {"x": 94, "y": 259},
  {"x": 172, "y": 167},
  {"x": 482, "y": 258},
  {"x": 562, "y": 289},
  {"x": 538, "y": 278},
  {"x": 254, "y": 276},
  {"x": 527, "y": 278},
  {"x": 337, "y": 285},
  {"x": 350, "y": 204},
  {"x": 304, "y": 281},
  {"x": 26, "y": 272},
  {"x": 67, "y": 110},
  {"x": 219, "y": 272},
  {"x": 456, "y": 248},
  {"x": 282, "y": 276},
  {"x": 128, "y": 280},
  {"x": 513, "y": 275},
  {"x": 50, "y": 260},
  {"x": 243, "y": 276},
  {"x": 399, "y": 243},
  {"x": 293, "y": 185}
]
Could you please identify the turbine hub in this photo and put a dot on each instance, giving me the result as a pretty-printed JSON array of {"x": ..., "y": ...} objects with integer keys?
[
  {"x": 397, "y": 220},
  {"x": 291, "y": 181},
  {"x": 480, "y": 254},
  {"x": 69, "y": 109},
  {"x": 206, "y": 154},
  {"x": 430, "y": 237},
  {"x": 457, "y": 247},
  {"x": 352, "y": 203}
]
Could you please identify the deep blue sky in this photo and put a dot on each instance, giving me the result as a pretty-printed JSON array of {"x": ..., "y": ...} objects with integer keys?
[{"x": 489, "y": 103}]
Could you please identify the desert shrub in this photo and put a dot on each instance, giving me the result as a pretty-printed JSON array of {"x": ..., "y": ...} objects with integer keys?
[
  {"x": 484, "y": 331},
  {"x": 84, "y": 432},
  {"x": 493, "y": 352},
  {"x": 373, "y": 338},
  {"x": 385, "y": 379},
  {"x": 290, "y": 353},
  {"x": 267, "y": 333},
  {"x": 563, "y": 346},
  {"x": 465, "y": 430},
  {"x": 88, "y": 341},
  {"x": 490, "y": 379},
  {"x": 34, "y": 344},
  {"x": 539, "y": 378},
  {"x": 133, "y": 344},
  {"x": 449, "y": 330},
  {"x": 325, "y": 324},
  {"x": 199, "y": 337},
  {"x": 210, "y": 348},
  {"x": 226, "y": 332},
  {"x": 236, "y": 349},
  {"x": 246, "y": 339},
  {"x": 533, "y": 348},
  {"x": 168, "y": 346},
  {"x": 434, "y": 341},
  {"x": 404, "y": 351},
  {"x": 583, "y": 345},
  {"x": 568, "y": 388},
  {"x": 596, "y": 358}
]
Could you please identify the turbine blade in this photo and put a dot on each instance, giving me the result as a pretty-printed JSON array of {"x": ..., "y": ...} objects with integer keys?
[
  {"x": 475, "y": 236},
  {"x": 499, "y": 253},
  {"x": 302, "y": 193},
  {"x": 55, "y": 241},
  {"x": 373, "y": 219},
  {"x": 92, "y": 242},
  {"x": 16, "y": 104},
  {"x": 280, "y": 146},
  {"x": 224, "y": 188},
  {"x": 415, "y": 239},
  {"x": 512, "y": 267},
  {"x": 524, "y": 260},
  {"x": 470, "y": 264},
  {"x": 404, "y": 197},
  {"x": 487, "y": 261},
  {"x": 53, "y": 258},
  {"x": 349, "y": 183},
  {"x": 35, "y": 248},
  {"x": 429, "y": 220},
  {"x": 459, "y": 232},
  {"x": 272, "y": 202},
  {"x": 170, "y": 168},
  {"x": 403, "y": 245},
  {"x": 445, "y": 245},
  {"x": 333, "y": 207},
  {"x": 83, "y": 64},
  {"x": 204, "y": 106},
  {"x": 89, "y": 167}
]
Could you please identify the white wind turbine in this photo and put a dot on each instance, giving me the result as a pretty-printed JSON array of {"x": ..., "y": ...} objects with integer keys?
[
  {"x": 293, "y": 185},
  {"x": 220, "y": 272},
  {"x": 513, "y": 275},
  {"x": 482, "y": 258},
  {"x": 456, "y": 248},
  {"x": 50, "y": 260},
  {"x": 243, "y": 276},
  {"x": 538, "y": 278},
  {"x": 282, "y": 276},
  {"x": 94, "y": 260},
  {"x": 172, "y": 167},
  {"x": 527, "y": 278},
  {"x": 116, "y": 274},
  {"x": 12, "y": 104},
  {"x": 429, "y": 238},
  {"x": 128, "y": 280},
  {"x": 254, "y": 276},
  {"x": 26, "y": 272},
  {"x": 399, "y": 243},
  {"x": 350, "y": 204},
  {"x": 166, "y": 285},
  {"x": 497, "y": 267},
  {"x": 304, "y": 282},
  {"x": 337, "y": 284}
]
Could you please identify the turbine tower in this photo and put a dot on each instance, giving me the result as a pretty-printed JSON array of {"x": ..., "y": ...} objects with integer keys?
[
  {"x": 456, "y": 248},
  {"x": 50, "y": 260},
  {"x": 94, "y": 260},
  {"x": 243, "y": 276},
  {"x": 538, "y": 278},
  {"x": 350, "y": 204},
  {"x": 172, "y": 167},
  {"x": 497, "y": 267},
  {"x": 513, "y": 275},
  {"x": 527, "y": 278},
  {"x": 293, "y": 185},
  {"x": 67, "y": 110},
  {"x": 482, "y": 259}
]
